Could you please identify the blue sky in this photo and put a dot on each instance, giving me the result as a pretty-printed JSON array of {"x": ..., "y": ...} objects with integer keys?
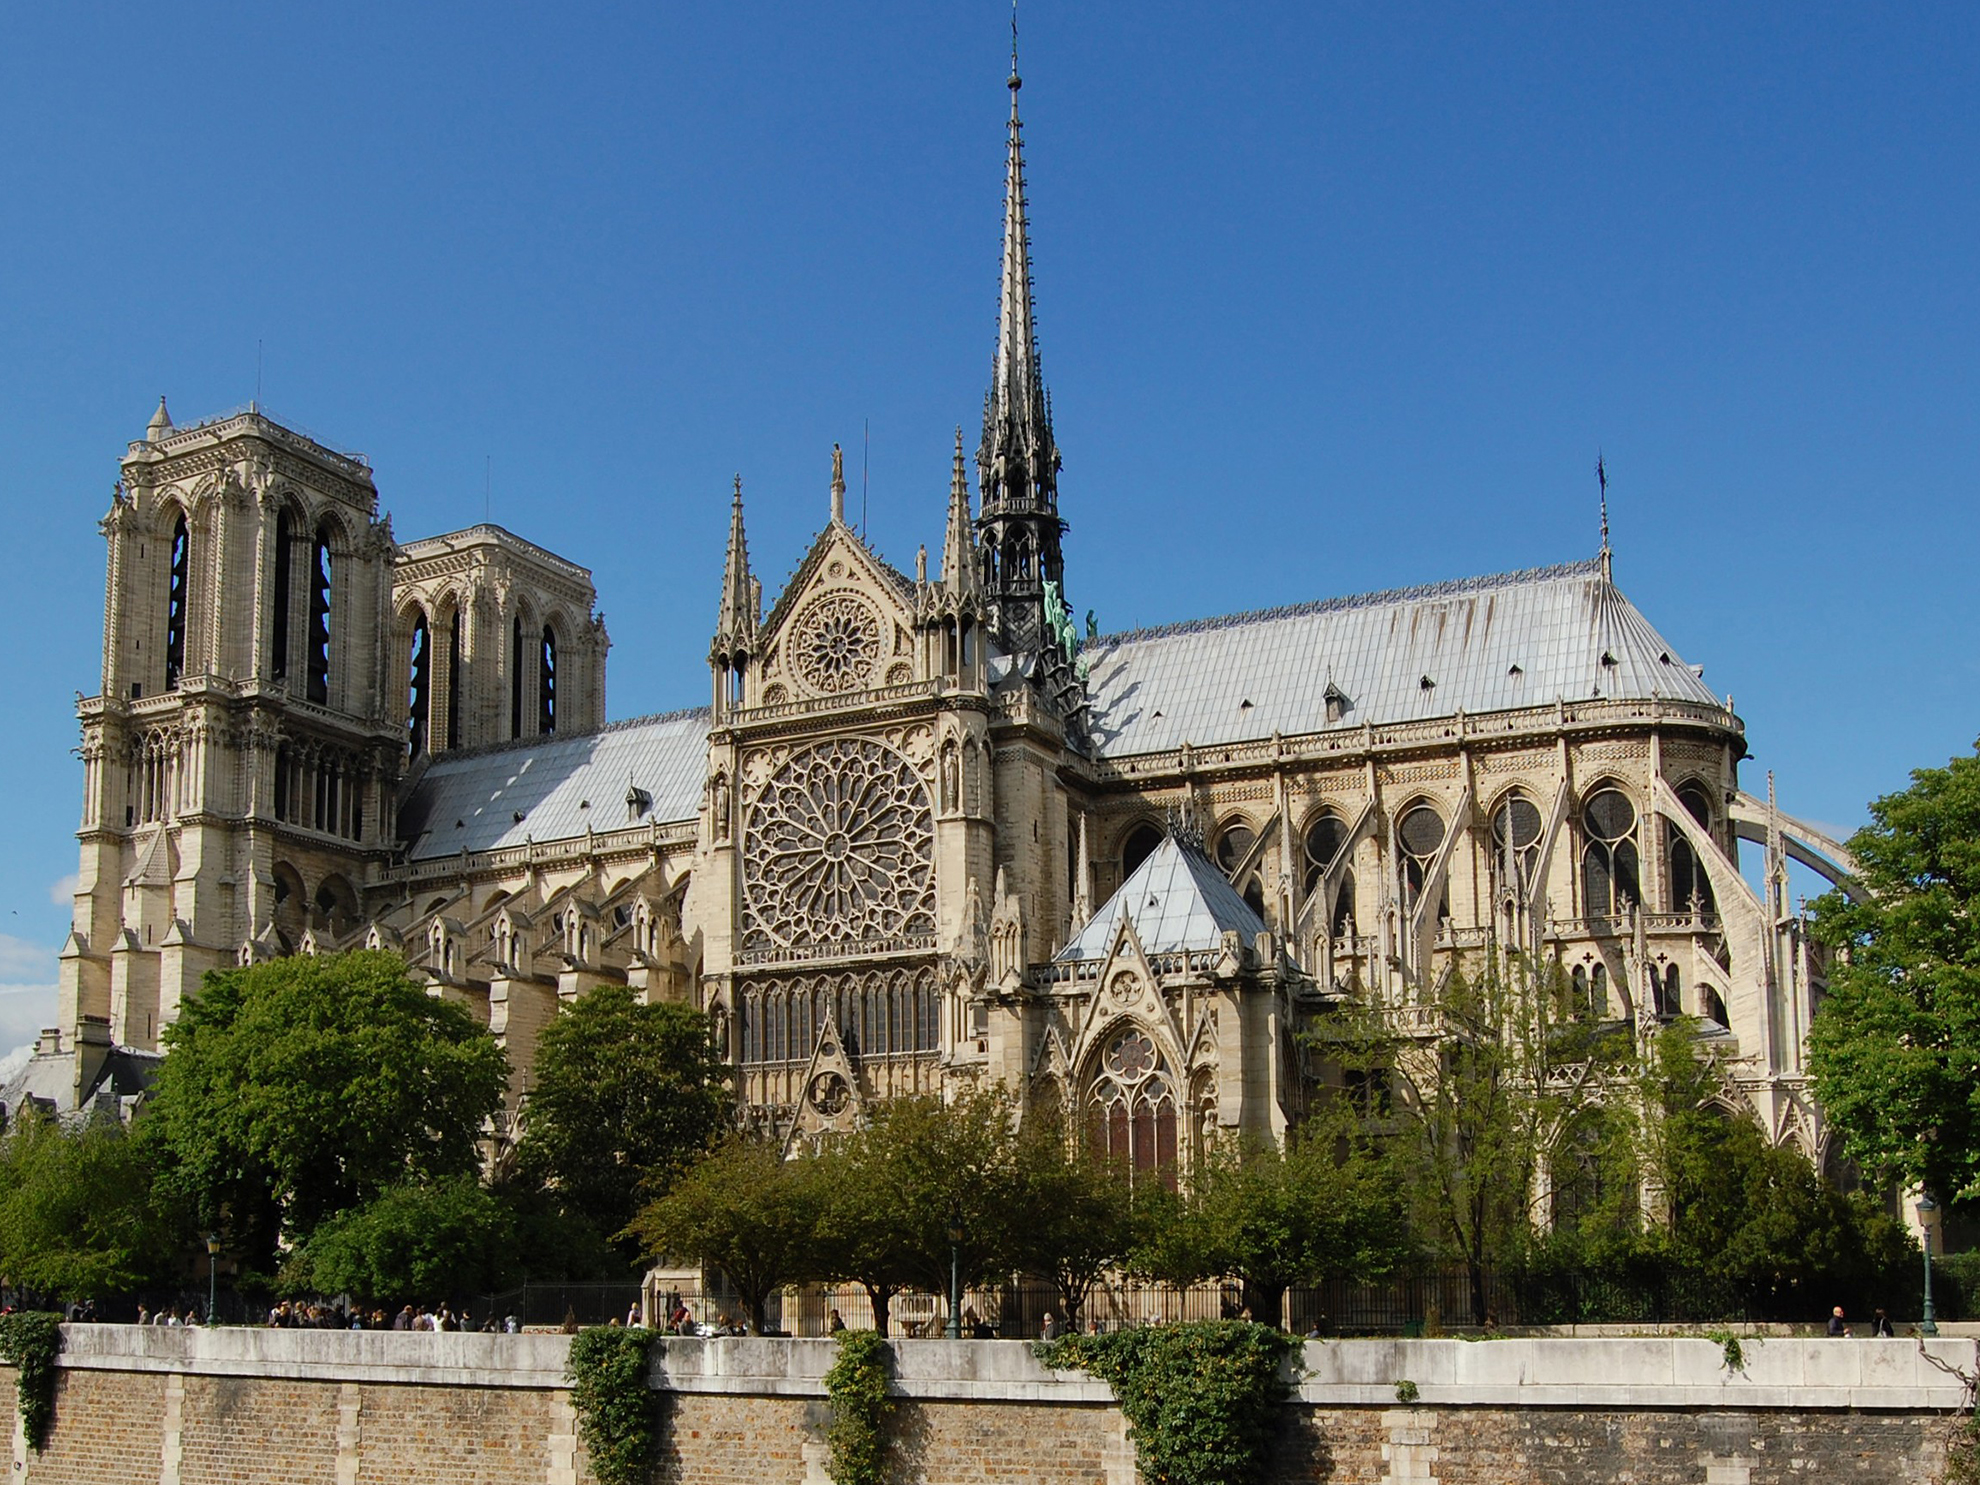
[{"x": 1331, "y": 298}]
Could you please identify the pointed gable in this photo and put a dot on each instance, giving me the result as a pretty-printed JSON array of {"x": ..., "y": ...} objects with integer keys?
[{"x": 1177, "y": 901}]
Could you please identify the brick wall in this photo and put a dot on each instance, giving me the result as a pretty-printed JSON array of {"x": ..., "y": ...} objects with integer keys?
[{"x": 201, "y": 1408}]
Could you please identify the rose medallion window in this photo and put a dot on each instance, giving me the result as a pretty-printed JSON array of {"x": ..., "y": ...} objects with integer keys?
[
  {"x": 839, "y": 851},
  {"x": 1132, "y": 1109},
  {"x": 837, "y": 645}
]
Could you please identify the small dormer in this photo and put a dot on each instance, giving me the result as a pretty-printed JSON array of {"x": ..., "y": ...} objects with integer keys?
[{"x": 1338, "y": 704}]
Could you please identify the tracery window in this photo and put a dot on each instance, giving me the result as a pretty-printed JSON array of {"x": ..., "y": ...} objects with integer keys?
[
  {"x": 1609, "y": 861},
  {"x": 319, "y": 618},
  {"x": 419, "y": 706},
  {"x": 1233, "y": 845},
  {"x": 837, "y": 644},
  {"x": 1691, "y": 887},
  {"x": 839, "y": 850},
  {"x": 1132, "y": 1108},
  {"x": 1516, "y": 826},
  {"x": 1325, "y": 838},
  {"x": 175, "y": 603},
  {"x": 879, "y": 1014},
  {"x": 1420, "y": 835}
]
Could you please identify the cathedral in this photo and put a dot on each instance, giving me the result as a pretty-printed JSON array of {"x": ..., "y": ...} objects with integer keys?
[{"x": 927, "y": 831}]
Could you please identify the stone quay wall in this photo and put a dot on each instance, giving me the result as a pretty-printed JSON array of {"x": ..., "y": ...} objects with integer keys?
[{"x": 189, "y": 1407}]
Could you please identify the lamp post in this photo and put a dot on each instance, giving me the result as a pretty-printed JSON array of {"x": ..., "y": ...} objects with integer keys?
[
  {"x": 1928, "y": 1221},
  {"x": 955, "y": 1279},
  {"x": 212, "y": 1274}
]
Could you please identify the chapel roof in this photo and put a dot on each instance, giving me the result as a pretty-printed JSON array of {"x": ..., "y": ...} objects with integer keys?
[
  {"x": 1177, "y": 900},
  {"x": 554, "y": 787},
  {"x": 1482, "y": 644}
]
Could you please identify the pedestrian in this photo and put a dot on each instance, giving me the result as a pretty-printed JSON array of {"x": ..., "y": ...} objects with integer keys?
[
  {"x": 634, "y": 1319},
  {"x": 1093, "y": 1326},
  {"x": 1836, "y": 1326},
  {"x": 1049, "y": 1329},
  {"x": 1880, "y": 1327},
  {"x": 510, "y": 1326}
]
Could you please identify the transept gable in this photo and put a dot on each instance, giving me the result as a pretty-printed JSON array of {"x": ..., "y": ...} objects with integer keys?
[
  {"x": 1125, "y": 993},
  {"x": 844, "y": 623},
  {"x": 830, "y": 1101}
]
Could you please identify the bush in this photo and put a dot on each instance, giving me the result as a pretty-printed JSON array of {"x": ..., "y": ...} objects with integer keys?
[
  {"x": 857, "y": 1387},
  {"x": 617, "y": 1418},
  {"x": 1201, "y": 1400},
  {"x": 29, "y": 1340}
]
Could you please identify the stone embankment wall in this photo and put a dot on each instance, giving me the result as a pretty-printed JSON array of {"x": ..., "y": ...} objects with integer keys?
[{"x": 189, "y": 1407}]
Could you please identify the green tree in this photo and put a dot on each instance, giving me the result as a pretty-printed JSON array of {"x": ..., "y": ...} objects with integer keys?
[
  {"x": 1320, "y": 1207},
  {"x": 1079, "y": 1216},
  {"x": 745, "y": 1210},
  {"x": 79, "y": 1215},
  {"x": 411, "y": 1242},
  {"x": 1895, "y": 1046},
  {"x": 293, "y": 1090},
  {"x": 623, "y": 1097},
  {"x": 861, "y": 1237}
]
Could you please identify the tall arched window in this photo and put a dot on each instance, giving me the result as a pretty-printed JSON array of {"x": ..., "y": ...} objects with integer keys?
[
  {"x": 1234, "y": 843},
  {"x": 1690, "y": 886},
  {"x": 175, "y": 603},
  {"x": 1140, "y": 845},
  {"x": 278, "y": 598},
  {"x": 1325, "y": 839},
  {"x": 1609, "y": 869},
  {"x": 1515, "y": 846},
  {"x": 1133, "y": 1108},
  {"x": 515, "y": 676},
  {"x": 319, "y": 618},
  {"x": 1420, "y": 834},
  {"x": 420, "y": 702},
  {"x": 453, "y": 674},
  {"x": 546, "y": 683}
]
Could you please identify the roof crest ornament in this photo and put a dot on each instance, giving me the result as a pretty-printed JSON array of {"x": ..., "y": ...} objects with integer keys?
[
  {"x": 1602, "y": 479},
  {"x": 838, "y": 486}
]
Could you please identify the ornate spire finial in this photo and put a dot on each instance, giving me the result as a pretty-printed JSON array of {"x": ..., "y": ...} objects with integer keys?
[
  {"x": 958, "y": 545},
  {"x": 1016, "y": 81},
  {"x": 735, "y": 623},
  {"x": 838, "y": 486},
  {"x": 1602, "y": 479}
]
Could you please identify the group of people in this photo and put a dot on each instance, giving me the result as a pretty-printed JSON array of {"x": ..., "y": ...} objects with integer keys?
[
  {"x": 170, "y": 1315},
  {"x": 1880, "y": 1324},
  {"x": 299, "y": 1316}
]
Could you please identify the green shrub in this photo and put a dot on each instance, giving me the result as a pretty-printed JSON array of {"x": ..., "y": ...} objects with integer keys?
[
  {"x": 617, "y": 1414},
  {"x": 1201, "y": 1400},
  {"x": 29, "y": 1341},
  {"x": 857, "y": 1387}
]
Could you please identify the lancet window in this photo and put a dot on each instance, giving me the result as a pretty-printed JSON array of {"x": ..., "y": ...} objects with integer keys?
[
  {"x": 1325, "y": 839},
  {"x": 1420, "y": 835},
  {"x": 1516, "y": 827},
  {"x": 1691, "y": 887},
  {"x": 878, "y": 1013},
  {"x": 175, "y": 603},
  {"x": 1131, "y": 1110},
  {"x": 420, "y": 702},
  {"x": 278, "y": 623},
  {"x": 321, "y": 573},
  {"x": 1139, "y": 846},
  {"x": 1609, "y": 862},
  {"x": 546, "y": 683}
]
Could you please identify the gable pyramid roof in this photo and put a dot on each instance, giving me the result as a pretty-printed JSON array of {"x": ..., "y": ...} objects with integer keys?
[{"x": 1177, "y": 901}]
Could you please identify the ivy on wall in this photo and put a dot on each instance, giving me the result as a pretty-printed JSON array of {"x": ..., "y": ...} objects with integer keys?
[
  {"x": 1201, "y": 1400},
  {"x": 618, "y": 1415},
  {"x": 30, "y": 1340},
  {"x": 857, "y": 1388}
]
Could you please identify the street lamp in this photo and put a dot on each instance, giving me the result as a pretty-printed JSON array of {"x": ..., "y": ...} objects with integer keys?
[
  {"x": 1928, "y": 1220},
  {"x": 955, "y": 1279},
  {"x": 212, "y": 1274}
]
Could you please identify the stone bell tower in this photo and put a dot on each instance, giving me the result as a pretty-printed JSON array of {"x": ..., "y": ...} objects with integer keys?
[{"x": 241, "y": 760}]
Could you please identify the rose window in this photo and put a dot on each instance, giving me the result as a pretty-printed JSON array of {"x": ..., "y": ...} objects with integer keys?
[
  {"x": 1131, "y": 1056},
  {"x": 839, "y": 851},
  {"x": 837, "y": 644}
]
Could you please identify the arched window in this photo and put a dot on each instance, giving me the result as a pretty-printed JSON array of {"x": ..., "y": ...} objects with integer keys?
[
  {"x": 1515, "y": 846},
  {"x": 1712, "y": 1005},
  {"x": 1578, "y": 982},
  {"x": 515, "y": 677},
  {"x": 453, "y": 674},
  {"x": 278, "y": 604},
  {"x": 1691, "y": 888},
  {"x": 1669, "y": 1001},
  {"x": 1324, "y": 839},
  {"x": 1598, "y": 990},
  {"x": 284, "y": 767},
  {"x": 1234, "y": 843},
  {"x": 1133, "y": 1108},
  {"x": 546, "y": 683},
  {"x": 1420, "y": 834},
  {"x": 1139, "y": 846},
  {"x": 319, "y": 618},
  {"x": 175, "y": 603},
  {"x": 1609, "y": 871},
  {"x": 420, "y": 704}
]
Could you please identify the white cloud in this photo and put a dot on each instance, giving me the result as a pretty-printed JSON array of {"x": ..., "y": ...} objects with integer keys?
[
  {"x": 13, "y": 1062},
  {"x": 27, "y": 991},
  {"x": 62, "y": 891},
  {"x": 21, "y": 961}
]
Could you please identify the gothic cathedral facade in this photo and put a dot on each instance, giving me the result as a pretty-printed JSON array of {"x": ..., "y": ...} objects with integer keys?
[{"x": 926, "y": 833}]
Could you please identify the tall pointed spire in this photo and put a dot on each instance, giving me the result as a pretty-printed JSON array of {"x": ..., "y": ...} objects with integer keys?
[
  {"x": 959, "y": 574},
  {"x": 735, "y": 624},
  {"x": 1018, "y": 461}
]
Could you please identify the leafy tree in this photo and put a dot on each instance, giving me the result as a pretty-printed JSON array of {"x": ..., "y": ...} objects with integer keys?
[
  {"x": 1079, "y": 1215},
  {"x": 861, "y": 1236},
  {"x": 1895, "y": 1047},
  {"x": 1321, "y": 1207},
  {"x": 293, "y": 1090},
  {"x": 623, "y": 1097},
  {"x": 554, "y": 1244},
  {"x": 79, "y": 1215},
  {"x": 409, "y": 1242},
  {"x": 745, "y": 1210}
]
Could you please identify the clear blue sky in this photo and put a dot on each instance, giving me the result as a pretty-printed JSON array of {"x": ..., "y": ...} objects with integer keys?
[{"x": 1330, "y": 299}]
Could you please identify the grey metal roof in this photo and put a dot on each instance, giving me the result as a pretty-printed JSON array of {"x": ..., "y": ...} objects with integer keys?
[
  {"x": 1484, "y": 644},
  {"x": 1178, "y": 902},
  {"x": 551, "y": 788}
]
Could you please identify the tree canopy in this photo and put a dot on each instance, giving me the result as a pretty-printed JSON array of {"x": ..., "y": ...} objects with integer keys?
[
  {"x": 1895, "y": 1046},
  {"x": 411, "y": 1242},
  {"x": 297, "y": 1089},
  {"x": 623, "y": 1097},
  {"x": 78, "y": 1213}
]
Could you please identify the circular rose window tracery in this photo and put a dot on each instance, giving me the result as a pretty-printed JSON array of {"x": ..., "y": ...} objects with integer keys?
[
  {"x": 839, "y": 850},
  {"x": 837, "y": 644}
]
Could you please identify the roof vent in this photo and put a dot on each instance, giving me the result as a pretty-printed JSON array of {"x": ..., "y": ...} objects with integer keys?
[
  {"x": 1664, "y": 658},
  {"x": 1425, "y": 684},
  {"x": 1515, "y": 669},
  {"x": 1245, "y": 705},
  {"x": 1156, "y": 718},
  {"x": 1608, "y": 657},
  {"x": 517, "y": 816}
]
